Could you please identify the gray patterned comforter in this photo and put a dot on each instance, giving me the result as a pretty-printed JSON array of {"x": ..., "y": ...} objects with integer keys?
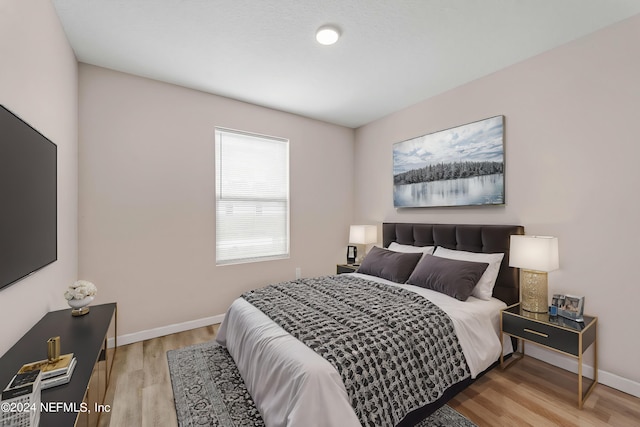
[{"x": 395, "y": 350}]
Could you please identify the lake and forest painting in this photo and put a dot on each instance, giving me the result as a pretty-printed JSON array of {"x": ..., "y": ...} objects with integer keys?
[{"x": 461, "y": 166}]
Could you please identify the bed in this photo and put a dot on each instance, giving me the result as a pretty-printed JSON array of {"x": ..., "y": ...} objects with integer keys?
[{"x": 293, "y": 385}]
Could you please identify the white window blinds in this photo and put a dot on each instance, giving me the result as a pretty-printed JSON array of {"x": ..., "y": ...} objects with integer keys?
[{"x": 252, "y": 197}]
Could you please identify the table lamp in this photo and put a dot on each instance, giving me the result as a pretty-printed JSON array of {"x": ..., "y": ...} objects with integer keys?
[{"x": 535, "y": 256}]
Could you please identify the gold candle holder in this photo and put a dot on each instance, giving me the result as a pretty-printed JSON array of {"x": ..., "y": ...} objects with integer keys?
[{"x": 53, "y": 349}]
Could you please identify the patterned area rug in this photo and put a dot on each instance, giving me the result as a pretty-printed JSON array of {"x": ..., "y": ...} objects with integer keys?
[{"x": 209, "y": 391}]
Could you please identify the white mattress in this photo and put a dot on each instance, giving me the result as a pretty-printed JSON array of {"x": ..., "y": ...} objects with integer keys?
[{"x": 293, "y": 386}]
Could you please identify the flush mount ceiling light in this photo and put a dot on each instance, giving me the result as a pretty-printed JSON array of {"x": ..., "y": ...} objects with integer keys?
[{"x": 327, "y": 35}]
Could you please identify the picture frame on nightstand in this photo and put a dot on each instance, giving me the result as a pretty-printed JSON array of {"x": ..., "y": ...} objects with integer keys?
[{"x": 569, "y": 306}]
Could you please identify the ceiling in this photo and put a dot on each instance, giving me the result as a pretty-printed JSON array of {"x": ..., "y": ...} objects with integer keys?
[{"x": 392, "y": 53}]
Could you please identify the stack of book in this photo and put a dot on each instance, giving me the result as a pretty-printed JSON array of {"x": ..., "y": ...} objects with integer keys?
[
  {"x": 21, "y": 400},
  {"x": 52, "y": 373}
]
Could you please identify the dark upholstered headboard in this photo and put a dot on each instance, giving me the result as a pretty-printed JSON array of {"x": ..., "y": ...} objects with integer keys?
[{"x": 463, "y": 237}]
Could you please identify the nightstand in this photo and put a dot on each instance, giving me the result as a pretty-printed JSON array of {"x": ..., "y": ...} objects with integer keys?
[
  {"x": 556, "y": 333},
  {"x": 347, "y": 268}
]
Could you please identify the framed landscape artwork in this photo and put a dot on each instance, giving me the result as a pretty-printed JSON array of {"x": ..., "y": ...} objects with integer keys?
[{"x": 461, "y": 166}]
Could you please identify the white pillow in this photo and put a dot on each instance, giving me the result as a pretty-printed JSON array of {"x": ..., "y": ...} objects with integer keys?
[
  {"x": 484, "y": 287},
  {"x": 397, "y": 247}
]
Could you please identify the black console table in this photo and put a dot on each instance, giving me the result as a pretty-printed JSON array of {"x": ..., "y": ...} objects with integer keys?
[{"x": 86, "y": 337}]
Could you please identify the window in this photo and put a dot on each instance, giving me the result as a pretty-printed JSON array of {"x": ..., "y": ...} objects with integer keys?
[{"x": 252, "y": 197}]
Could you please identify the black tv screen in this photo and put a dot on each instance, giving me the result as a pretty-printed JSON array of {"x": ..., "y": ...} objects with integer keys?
[{"x": 28, "y": 193}]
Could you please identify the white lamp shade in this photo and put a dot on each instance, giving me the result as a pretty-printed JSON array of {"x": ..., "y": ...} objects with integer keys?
[
  {"x": 539, "y": 253},
  {"x": 363, "y": 234}
]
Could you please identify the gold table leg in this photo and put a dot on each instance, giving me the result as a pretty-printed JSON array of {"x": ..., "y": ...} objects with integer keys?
[
  {"x": 582, "y": 398},
  {"x": 515, "y": 356}
]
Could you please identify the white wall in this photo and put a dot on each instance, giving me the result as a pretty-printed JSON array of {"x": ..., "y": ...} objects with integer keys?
[
  {"x": 571, "y": 170},
  {"x": 38, "y": 82},
  {"x": 147, "y": 197}
]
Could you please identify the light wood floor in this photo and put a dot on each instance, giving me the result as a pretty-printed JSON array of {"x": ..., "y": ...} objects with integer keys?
[
  {"x": 534, "y": 393},
  {"x": 140, "y": 387},
  {"x": 530, "y": 393}
]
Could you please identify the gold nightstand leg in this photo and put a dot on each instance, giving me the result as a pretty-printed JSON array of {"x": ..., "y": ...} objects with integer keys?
[
  {"x": 580, "y": 371},
  {"x": 582, "y": 398},
  {"x": 515, "y": 356}
]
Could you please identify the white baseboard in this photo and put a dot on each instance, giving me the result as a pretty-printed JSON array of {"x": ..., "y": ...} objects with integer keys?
[
  {"x": 567, "y": 363},
  {"x": 165, "y": 330}
]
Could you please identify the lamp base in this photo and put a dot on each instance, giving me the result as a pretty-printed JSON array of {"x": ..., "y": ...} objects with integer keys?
[{"x": 534, "y": 291}]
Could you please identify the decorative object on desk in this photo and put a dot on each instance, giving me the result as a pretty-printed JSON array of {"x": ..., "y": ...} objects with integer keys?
[
  {"x": 47, "y": 368},
  {"x": 79, "y": 296},
  {"x": 52, "y": 373},
  {"x": 59, "y": 379},
  {"x": 461, "y": 166},
  {"x": 53, "y": 349},
  {"x": 80, "y": 306},
  {"x": 361, "y": 235},
  {"x": 535, "y": 256},
  {"x": 569, "y": 306},
  {"x": 22, "y": 393}
]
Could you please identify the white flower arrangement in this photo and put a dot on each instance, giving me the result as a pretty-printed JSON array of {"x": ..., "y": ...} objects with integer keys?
[{"x": 80, "y": 290}]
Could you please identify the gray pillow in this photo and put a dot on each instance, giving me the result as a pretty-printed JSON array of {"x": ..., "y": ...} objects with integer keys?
[
  {"x": 390, "y": 265},
  {"x": 449, "y": 276}
]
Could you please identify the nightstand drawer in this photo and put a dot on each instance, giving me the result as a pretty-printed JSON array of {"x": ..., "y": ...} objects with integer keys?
[{"x": 556, "y": 338}]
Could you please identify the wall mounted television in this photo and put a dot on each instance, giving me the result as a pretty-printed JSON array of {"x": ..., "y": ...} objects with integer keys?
[{"x": 28, "y": 199}]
